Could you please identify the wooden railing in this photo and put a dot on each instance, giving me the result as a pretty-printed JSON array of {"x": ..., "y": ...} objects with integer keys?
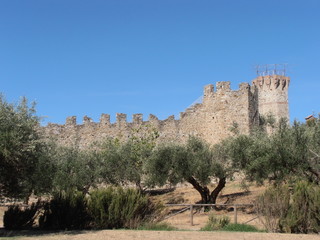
[{"x": 191, "y": 207}]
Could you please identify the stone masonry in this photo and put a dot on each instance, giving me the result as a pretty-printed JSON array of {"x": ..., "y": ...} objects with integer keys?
[{"x": 210, "y": 120}]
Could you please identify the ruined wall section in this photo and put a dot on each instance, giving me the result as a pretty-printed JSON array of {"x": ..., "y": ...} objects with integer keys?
[
  {"x": 210, "y": 120},
  {"x": 213, "y": 119}
]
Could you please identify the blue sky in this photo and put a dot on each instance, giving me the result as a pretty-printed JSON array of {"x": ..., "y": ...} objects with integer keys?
[{"x": 76, "y": 57}]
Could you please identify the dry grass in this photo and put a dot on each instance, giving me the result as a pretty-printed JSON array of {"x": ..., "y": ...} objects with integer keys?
[{"x": 232, "y": 194}]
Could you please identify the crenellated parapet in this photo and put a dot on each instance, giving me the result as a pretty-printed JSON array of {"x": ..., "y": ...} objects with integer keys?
[
  {"x": 223, "y": 86},
  {"x": 244, "y": 86},
  {"x": 71, "y": 121},
  {"x": 272, "y": 82},
  {"x": 137, "y": 119},
  {"x": 105, "y": 119},
  {"x": 208, "y": 91},
  {"x": 87, "y": 120},
  {"x": 210, "y": 118},
  {"x": 121, "y": 119}
]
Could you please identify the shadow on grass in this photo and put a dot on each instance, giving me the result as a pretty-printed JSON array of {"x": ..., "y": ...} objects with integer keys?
[
  {"x": 156, "y": 192},
  {"x": 235, "y": 195}
]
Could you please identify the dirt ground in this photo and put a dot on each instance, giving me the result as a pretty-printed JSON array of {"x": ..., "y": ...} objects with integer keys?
[
  {"x": 155, "y": 235},
  {"x": 232, "y": 194}
]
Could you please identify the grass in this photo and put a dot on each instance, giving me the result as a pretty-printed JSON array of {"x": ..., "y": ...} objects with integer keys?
[
  {"x": 223, "y": 224},
  {"x": 157, "y": 227},
  {"x": 240, "y": 228},
  {"x": 216, "y": 223}
]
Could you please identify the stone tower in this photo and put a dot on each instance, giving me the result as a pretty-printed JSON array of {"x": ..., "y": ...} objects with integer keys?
[{"x": 272, "y": 93}]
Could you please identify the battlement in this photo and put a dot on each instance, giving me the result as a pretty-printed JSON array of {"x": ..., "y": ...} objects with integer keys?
[
  {"x": 105, "y": 119},
  {"x": 223, "y": 87},
  {"x": 272, "y": 82},
  {"x": 137, "y": 118},
  {"x": 71, "y": 121},
  {"x": 210, "y": 119},
  {"x": 121, "y": 120}
]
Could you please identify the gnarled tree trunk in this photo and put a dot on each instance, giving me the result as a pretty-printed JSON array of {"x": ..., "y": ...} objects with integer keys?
[{"x": 206, "y": 196}]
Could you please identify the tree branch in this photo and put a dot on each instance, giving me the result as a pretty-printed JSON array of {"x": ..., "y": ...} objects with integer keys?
[{"x": 314, "y": 153}]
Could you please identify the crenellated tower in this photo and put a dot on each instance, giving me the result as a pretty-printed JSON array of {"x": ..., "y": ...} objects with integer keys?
[{"x": 272, "y": 93}]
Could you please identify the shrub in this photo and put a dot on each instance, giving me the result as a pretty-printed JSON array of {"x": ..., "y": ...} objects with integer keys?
[
  {"x": 298, "y": 212},
  {"x": 304, "y": 213},
  {"x": 273, "y": 205},
  {"x": 216, "y": 223},
  {"x": 20, "y": 218},
  {"x": 121, "y": 208},
  {"x": 65, "y": 211},
  {"x": 106, "y": 208},
  {"x": 240, "y": 228}
]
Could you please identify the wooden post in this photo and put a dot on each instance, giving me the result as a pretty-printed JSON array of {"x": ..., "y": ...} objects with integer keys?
[
  {"x": 235, "y": 214},
  {"x": 191, "y": 215}
]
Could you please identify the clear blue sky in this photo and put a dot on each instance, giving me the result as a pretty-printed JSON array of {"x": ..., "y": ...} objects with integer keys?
[{"x": 76, "y": 57}]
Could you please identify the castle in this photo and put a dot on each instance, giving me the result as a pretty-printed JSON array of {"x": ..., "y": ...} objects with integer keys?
[{"x": 210, "y": 120}]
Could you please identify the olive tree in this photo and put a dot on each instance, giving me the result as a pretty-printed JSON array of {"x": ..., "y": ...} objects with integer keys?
[
  {"x": 288, "y": 151},
  {"x": 75, "y": 169},
  {"x": 194, "y": 162},
  {"x": 24, "y": 164},
  {"x": 124, "y": 162}
]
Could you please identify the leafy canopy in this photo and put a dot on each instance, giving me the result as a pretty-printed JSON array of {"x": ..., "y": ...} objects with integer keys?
[{"x": 24, "y": 166}]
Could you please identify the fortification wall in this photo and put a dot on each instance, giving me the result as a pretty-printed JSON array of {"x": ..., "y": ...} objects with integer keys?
[{"x": 211, "y": 119}]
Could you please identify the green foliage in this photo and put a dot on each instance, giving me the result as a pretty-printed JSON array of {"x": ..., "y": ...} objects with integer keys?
[
  {"x": 288, "y": 150},
  {"x": 103, "y": 209},
  {"x": 216, "y": 223},
  {"x": 223, "y": 224},
  {"x": 65, "y": 211},
  {"x": 124, "y": 163},
  {"x": 121, "y": 208},
  {"x": 17, "y": 217},
  {"x": 272, "y": 206},
  {"x": 22, "y": 153},
  {"x": 157, "y": 227},
  {"x": 240, "y": 228},
  {"x": 304, "y": 213},
  {"x": 296, "y": 212},
  {"x": 76, "y": 170},
  {"x": 195, "y": 162}
]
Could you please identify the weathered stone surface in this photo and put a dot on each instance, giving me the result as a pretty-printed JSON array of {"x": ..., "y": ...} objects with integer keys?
[{"x": 210, "y": 119}]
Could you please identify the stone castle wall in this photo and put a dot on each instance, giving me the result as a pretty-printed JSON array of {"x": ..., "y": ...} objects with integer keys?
[{"x": 211, "y": 119}]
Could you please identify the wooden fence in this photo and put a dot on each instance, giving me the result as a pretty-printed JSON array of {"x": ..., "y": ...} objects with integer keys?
[{"x": 192, "y": 206}]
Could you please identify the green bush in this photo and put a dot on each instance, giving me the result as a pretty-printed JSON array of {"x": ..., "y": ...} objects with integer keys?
[
  {"x": 105, "y": 208},
  {"x": 240, "y": 228},
  {"x": 65, "y": 211},
  {"x": 157, "y": 227},
  {"x": 273, "y": 205},
  {"x": 121, "y": 208},
  {"x": 296, "y": 212},
  {"x": 304, "y": 212},
  {"x": 20, "y": 218},
  {"x": 216, "y": 223}
]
